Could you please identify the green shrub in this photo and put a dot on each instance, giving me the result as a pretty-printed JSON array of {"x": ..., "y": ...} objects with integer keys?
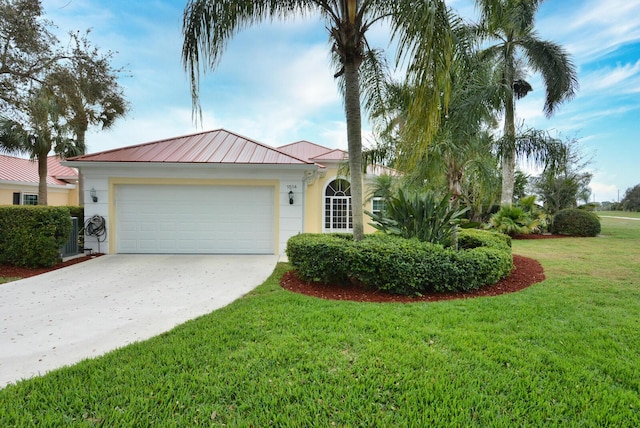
[
  {"x": 418, "y": 215},
  {"x": 33, "y": 236},
  {"x": 474, "y": 238},
  {"x": 318, "y": 257},
  {"x": 575, "y": 222},
  {"x": 402, "y": 266}
]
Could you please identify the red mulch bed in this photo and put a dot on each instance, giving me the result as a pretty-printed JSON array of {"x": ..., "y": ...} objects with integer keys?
[
  {"x": 23, "y": 272},
  {"x": 526, "y": 272}
]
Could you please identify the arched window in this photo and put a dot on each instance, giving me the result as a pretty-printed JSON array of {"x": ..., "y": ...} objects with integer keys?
[{"x": 337, "y": 206}]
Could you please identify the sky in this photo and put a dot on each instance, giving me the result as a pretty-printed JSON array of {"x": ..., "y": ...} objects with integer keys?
[{"x": 275, "y": 84}]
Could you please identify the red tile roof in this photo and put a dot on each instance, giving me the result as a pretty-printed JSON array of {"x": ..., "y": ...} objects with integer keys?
[
  {"x": 21, "y": 170},
  {"x": 219, "y": 146}
]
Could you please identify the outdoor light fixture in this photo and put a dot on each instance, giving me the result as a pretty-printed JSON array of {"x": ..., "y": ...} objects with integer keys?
[
  {"x": 93, "y": 194},
  {"x": 290, "y": 197}
]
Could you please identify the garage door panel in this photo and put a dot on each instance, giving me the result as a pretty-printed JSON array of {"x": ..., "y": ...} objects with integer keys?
[{"x": 195, "y": 219}]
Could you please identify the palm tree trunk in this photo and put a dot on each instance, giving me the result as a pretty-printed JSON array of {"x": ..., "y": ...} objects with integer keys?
[
  {"x": 508, "y": 157},
  {"x": 42, "y": 178},
  {"x": 354, "y": 139},
  {"x": 509, "y": 154}
]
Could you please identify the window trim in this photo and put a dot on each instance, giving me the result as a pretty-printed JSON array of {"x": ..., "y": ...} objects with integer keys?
[
  {"x": 377, "y": 199},
  {"x": 25, "y": 194}
]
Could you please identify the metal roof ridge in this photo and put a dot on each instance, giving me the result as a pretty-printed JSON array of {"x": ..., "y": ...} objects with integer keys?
[
  {"x": 320, "y": 156},
  {"x": 307, "y": 142}
]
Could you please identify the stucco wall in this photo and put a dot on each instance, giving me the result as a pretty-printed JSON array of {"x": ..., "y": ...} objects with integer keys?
[
  {"x": 314, "y": 216},
  {"x": 55, "y": 196}
]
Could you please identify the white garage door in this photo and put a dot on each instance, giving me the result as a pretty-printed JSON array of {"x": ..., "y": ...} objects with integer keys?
[{"x": 195, "y": 219}]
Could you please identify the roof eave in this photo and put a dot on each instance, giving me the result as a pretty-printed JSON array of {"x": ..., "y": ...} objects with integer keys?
[
  {"x": 83, "y": 164},
  {"x": 34, "y": 184}
]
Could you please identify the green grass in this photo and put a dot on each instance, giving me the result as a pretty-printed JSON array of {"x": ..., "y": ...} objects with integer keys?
[
  {"x": 618, "y": 214},
  {"x": 561, "y": 353},
  {"x": 5, "y": 279}
]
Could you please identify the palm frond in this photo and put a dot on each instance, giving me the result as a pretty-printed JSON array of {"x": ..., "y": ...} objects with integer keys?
[
  {"x": 208, "y": 25},
  {"x": 558, "y": 72},
  {"x": 14, "y": 138}
]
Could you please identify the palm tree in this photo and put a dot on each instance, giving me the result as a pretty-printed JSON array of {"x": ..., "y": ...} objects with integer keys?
[
  {"x": 421, "y": 29},
  {"x": 462, "y": 142},
  {"x": 46, "y": 131},
  {"x": 511, "y": 24}
]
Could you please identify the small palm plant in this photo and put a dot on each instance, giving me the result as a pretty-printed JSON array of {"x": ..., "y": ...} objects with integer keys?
[
  {"x": 419, "y": 215},
  {"x": 514, "y": 220}
]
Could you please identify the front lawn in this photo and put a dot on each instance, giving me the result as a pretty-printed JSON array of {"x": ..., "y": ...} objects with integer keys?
[
  {"x": 632, "y": 214},
  {"x": 563, "y": 353}
]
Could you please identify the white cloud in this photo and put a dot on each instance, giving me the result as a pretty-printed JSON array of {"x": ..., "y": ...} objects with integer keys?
[
  {"x": 594, "y": 28},
  {"x": 623, "y": 78},
  {"x": 603, "y": 192},
  {"x": 307, "y": 82}
]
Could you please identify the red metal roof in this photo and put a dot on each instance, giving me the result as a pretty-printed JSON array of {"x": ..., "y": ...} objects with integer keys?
[
  {"x": 219, "y": 146},
  {"x": 26, "y": 171},
  {"x": 333, "y": 155},
  {"x": 317, "y": 153},
  {"x": 304, "y": 150}
]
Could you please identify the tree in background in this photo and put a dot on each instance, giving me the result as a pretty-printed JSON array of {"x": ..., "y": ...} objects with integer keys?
[
  {"x": 87, "y": 89},
  {"x": 511, "y": 24},
  {"x": 50, "y": 94},
  {"x": 520, "y": 185},
  {"x": 631, "y": 200},
  {"x": 562, "y": 184},
  {"x": 420, "y": 28},
  {"x": 27, "y": 52},
  {"x": 44, "y": 131}
]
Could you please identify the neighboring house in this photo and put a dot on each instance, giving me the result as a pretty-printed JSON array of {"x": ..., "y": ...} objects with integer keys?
[
  {"x": 214, "y": 192},
  {"x": 19, "y": 182}
]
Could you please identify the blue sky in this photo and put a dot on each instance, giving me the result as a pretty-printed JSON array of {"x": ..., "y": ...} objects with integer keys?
[{"x": 274, "y": 83}]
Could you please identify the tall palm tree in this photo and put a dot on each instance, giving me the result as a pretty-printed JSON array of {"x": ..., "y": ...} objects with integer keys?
[
  {"x": 421, "y": 29},
  {"x": 511, "y": 24},
  {"x": 46, "y": 131}
]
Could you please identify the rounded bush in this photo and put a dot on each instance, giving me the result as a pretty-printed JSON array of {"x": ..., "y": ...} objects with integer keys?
[
  {"x": 575, "y": 222},
  {"x": 402, "y": 266}
]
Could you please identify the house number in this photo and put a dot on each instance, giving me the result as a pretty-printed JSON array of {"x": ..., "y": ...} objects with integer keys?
[{"x": 292, "y": 186}]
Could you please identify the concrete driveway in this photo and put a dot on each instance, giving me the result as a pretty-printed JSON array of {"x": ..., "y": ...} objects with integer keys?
[{"x": 82, "y": 311}]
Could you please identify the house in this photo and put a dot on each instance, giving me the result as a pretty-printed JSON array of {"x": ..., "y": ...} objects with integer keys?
[
  {"x": 214, "y": 192},
  {"x": 19, "y": 182}
]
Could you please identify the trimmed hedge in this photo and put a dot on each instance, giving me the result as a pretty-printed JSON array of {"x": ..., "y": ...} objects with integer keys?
[
  {"x": 402, "y": 266},
  {"x": 575, "y": 222},
  {"x": 31, "y": 236}
]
